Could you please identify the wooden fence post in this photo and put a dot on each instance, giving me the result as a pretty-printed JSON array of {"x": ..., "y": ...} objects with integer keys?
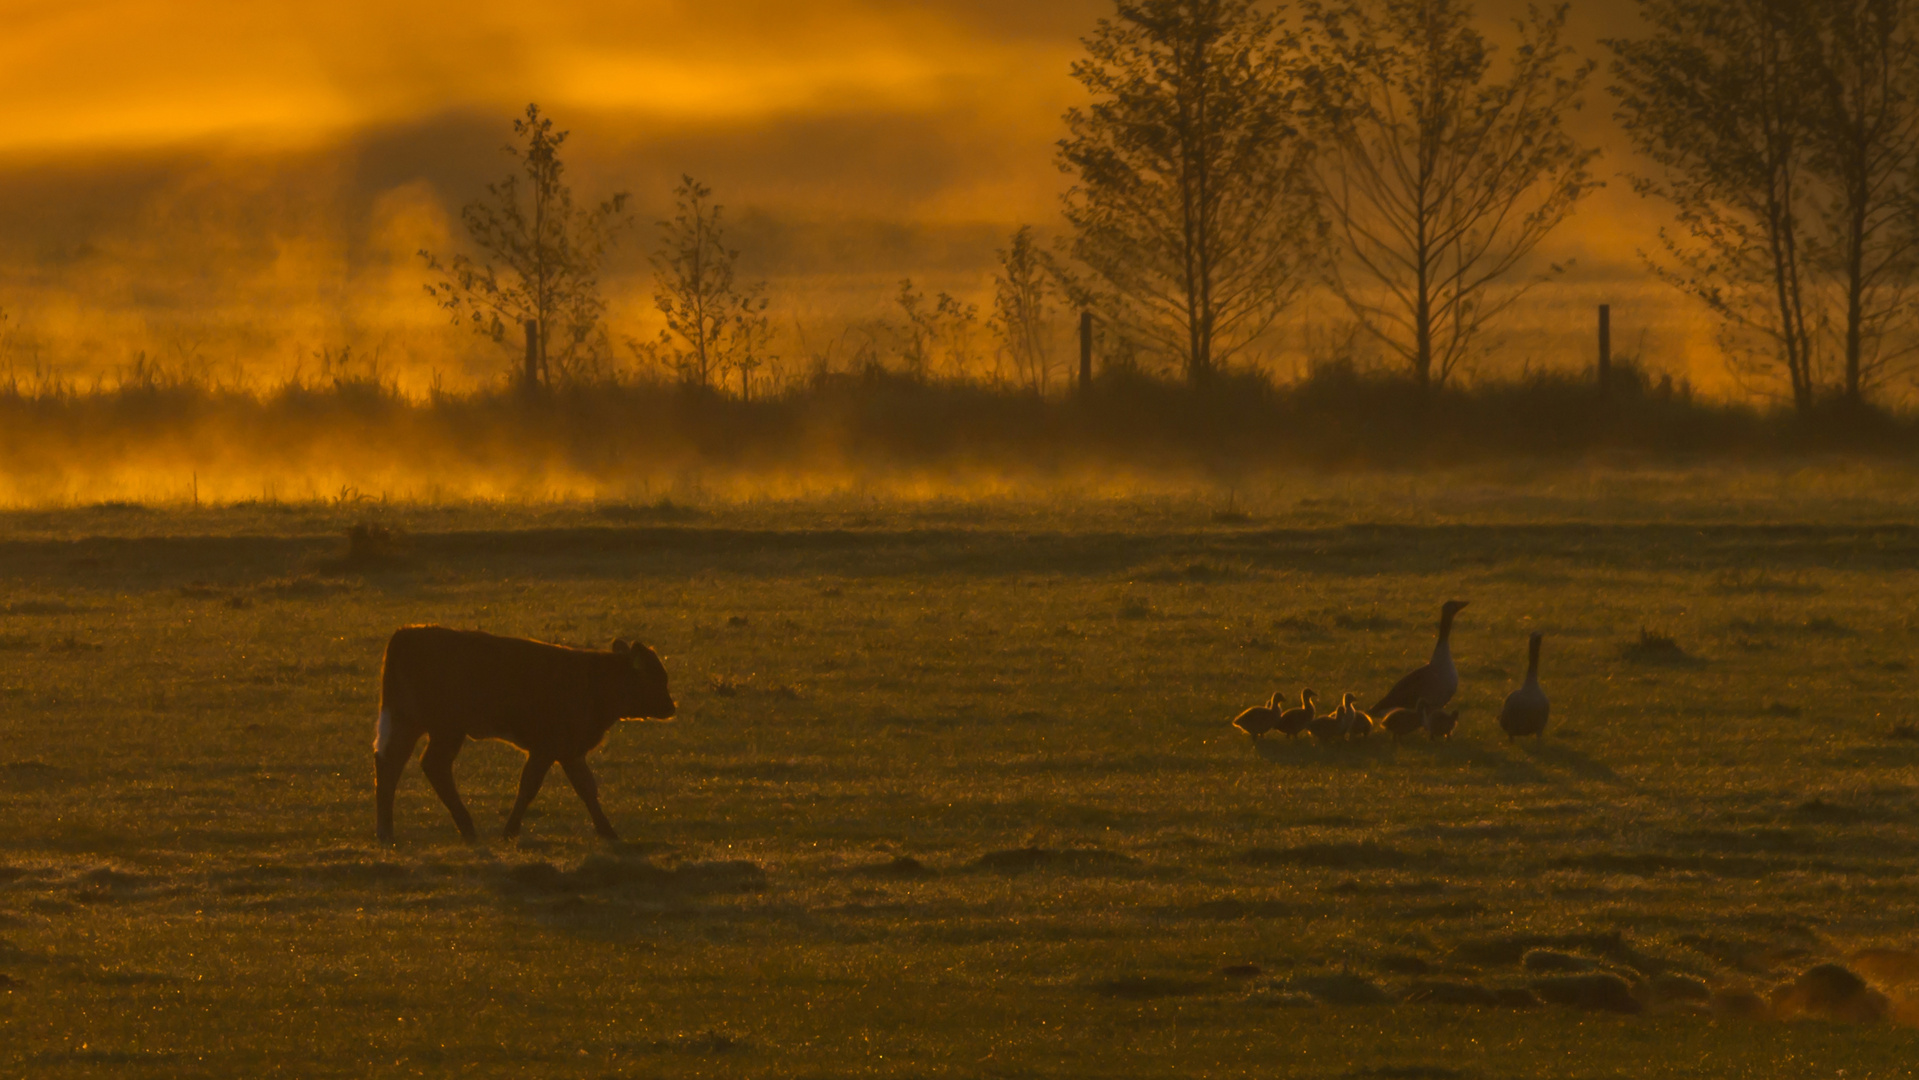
[
  {"x": 1085, "y": 351},
  {"x": 1605, "y": 347}
]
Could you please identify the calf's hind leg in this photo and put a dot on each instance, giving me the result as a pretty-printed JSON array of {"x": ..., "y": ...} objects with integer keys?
[
  {"x": 589, "y": 789},
  {"x": 437, "y": 763}
]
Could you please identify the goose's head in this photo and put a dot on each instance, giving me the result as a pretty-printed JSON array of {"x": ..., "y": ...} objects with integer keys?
[{"x": 1452, "y": 608}]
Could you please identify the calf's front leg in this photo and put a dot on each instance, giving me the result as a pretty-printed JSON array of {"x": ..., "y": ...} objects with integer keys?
[
  {"x": 389, "y": 763},
  {"x": 589, "y": 789},
  {"x": 531, "y": 778}
]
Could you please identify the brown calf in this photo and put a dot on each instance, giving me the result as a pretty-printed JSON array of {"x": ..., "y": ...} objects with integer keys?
[{"x": 555, "y": 703}]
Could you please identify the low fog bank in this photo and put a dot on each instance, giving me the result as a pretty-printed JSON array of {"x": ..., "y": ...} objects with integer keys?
[{"x": 359, "y": 439}]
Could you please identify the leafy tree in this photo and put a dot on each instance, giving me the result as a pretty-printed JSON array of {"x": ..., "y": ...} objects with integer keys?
[
  {"x": 1188, "y": 206},
  {"x": 540, "y": 258},
  {"x": 1023, "y": 309},
  {"x": 714, "y": 325},
  {"x": 1439, "y": 176}
]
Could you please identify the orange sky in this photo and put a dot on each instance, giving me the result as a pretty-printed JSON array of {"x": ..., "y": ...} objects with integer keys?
[
  {"x": 144, "y": 72},
  {"x": 250, "y": 160}
]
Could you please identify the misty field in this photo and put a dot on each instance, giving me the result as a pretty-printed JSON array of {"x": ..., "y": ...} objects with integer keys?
[{"x": 953, "y": 790}]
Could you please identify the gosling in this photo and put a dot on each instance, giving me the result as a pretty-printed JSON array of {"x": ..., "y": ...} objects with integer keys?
[
  {"x": 1359, "y": 722},
  {"x": 1330, "y": 727},
  {"x": 1440, "y": 725},
  {"x": 1294, "y": 721},
  {"x": 1403, "y": 722},
  {"x": 1259, "y": 719}
]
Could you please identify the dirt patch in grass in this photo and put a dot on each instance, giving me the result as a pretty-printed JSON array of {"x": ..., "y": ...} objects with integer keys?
[
  {"x": 1230, "y": 909},
  {"x": 1361, "y": 854},
  {"x": 1201, "y": 571},
  {"x": 72, "y": 643},
  {"x": 1070, "y": 860},
  {"x": 25, "y": 608},
  {"x": 1340, "y": 988},
  {"x": 897, "y": 868},
  {"x": 728, "y": 685},
  {"x": 1148, "y": 987},
  {"x": 1512, "y": 949},
  {"x": 1355, "y": 887},
  {"x": 1762, "y": 583},
  {"x": 1819, "y": 810},
  {"x": 1599, "y": 991},
  {"x": 1444, "y": 992},
  {"x": 1659, "y": 648},
  {"x": 1823, "y": 626},
  {"x": 1830, "y": 992},
  {"x": 703, "y": 1042},
  {"x": 303, "y": 588},
  {"x": 1653, "y": 863},
  {"x": 109, "y": 885},
  {"x": 1553, "y": 960},
  {"x": 599, "y": 874}
]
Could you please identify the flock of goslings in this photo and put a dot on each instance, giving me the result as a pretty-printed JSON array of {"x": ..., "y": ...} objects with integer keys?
[{"x": 1416, "y": 702}]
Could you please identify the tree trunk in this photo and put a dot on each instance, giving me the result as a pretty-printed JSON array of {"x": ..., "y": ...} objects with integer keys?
[
  {"x": 1856, "y": 297},
  {"x": 1195, "y": 181},
  {"x": 531, "y": 384}
]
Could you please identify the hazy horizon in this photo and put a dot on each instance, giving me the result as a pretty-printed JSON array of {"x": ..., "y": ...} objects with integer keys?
[{"x": 239, "y": 189}]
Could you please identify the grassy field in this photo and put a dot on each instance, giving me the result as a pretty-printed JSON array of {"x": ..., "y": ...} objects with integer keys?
[{"x": 952, "y": 791}]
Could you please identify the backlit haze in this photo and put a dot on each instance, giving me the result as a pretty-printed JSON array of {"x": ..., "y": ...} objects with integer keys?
[{"x": 240, "y": 185}]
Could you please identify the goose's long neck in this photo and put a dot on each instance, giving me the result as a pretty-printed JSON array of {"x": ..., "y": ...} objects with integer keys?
[
  {"x": 1443, "y": 650},
  {"x": 1532, "y": 663}
]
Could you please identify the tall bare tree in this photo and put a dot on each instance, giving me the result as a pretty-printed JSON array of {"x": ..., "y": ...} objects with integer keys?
[
  {"x": 1439, "y": 176},
  {"x": 715, "y": 325},
  {"x": 1714, "y": 96},
  {"x": 1189, "y": 205},
  {"x": 1860, "y": 61},
  {"x": 1023, "y": 309},
  {"x": 540, "y": 257},
  {"x": 1786, "y": 134}
]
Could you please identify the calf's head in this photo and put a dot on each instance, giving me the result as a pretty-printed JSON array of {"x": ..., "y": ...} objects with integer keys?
[{"x": 639, "y": 684}]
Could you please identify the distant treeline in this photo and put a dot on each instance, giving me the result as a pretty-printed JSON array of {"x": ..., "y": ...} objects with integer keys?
[
  {"x": 358, "y": 435},
  {"x": 1238, "y": 162},
  {"x": 1385, "y": 156}
]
